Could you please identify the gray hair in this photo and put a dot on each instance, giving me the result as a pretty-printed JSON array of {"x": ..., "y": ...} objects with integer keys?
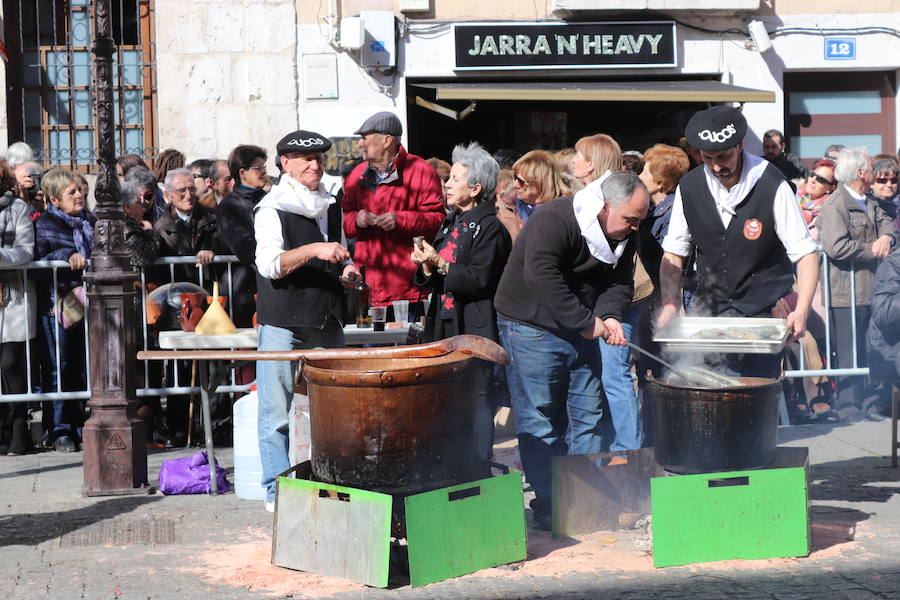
[
  {"x": 885, "y": 166},
  {"x": 171, "y": 175},
  {"x": 849, "y": 161},
  {"x": 620, "y": 186},
  {"x": 141, "y": 177},
  {"x": 128, "y": 193},
  {"x": 19, "y": 153},
  {"x": 482, "y": 168}
]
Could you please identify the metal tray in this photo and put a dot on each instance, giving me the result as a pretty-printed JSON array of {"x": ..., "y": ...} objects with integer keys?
[{"x": 676, "y": 336}]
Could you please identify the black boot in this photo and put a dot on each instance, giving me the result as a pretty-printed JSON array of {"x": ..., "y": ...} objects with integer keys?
[{"x": 20, "y": 442}]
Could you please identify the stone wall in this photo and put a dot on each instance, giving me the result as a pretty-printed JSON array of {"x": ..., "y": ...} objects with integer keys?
[{"x": 227, "y": 74}]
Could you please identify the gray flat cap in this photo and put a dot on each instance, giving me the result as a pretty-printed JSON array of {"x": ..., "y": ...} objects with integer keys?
[{"x": 383, "y": 122}]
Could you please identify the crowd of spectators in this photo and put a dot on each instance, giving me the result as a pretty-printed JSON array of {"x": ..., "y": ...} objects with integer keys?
[{"x": 562, "y": 257}]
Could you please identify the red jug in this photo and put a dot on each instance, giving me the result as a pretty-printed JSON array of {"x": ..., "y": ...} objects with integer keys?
[{"x": 191, "y": 310}]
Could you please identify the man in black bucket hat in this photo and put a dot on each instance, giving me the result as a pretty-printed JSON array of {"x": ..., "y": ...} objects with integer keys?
[
  {"x": 739, "y": 214},
  {"x": 302, "y": 266}
]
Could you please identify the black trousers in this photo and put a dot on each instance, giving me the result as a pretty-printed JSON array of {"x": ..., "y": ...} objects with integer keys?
[{"x": 851, "y": 390}]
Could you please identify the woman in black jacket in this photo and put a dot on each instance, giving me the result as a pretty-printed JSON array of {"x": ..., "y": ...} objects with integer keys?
[
  {"x": 463, "y": 266},
  {"x": 234, "y": 217}
]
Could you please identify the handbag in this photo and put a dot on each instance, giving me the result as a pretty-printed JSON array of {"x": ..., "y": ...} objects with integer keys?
[
  {"x": 643, "y": 285},
  {"x": 190, "y": 475},
  {"x": 69, "y": 307}
]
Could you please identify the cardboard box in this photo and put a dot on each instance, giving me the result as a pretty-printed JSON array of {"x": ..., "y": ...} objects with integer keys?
[{"x": 737, "y": 514}]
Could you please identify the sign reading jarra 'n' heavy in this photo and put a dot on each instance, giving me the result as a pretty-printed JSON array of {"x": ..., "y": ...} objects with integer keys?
[{"x": 565, "y": 45}]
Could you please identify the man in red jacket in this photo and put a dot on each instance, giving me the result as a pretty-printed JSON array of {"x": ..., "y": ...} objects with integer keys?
[{"x": 388, "y": 199}]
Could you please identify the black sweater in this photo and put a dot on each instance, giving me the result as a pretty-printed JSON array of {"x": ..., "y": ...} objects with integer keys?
[{"x": 552, "y": 282}]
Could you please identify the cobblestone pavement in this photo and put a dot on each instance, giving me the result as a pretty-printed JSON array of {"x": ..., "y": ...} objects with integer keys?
[{"x": 56, "y": 544}]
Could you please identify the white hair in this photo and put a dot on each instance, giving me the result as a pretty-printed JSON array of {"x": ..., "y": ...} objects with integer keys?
[
  {"x": 849, "y": 161},
  {"x": 482, "y": 168},
  {"x": 171, "y": 175},
  {"x": 19, "y": 153}
]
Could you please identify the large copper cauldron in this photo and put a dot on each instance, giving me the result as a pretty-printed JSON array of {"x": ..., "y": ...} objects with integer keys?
[
  {"x": 705, "y": 430},
  {"x": 396, "y": 424}
]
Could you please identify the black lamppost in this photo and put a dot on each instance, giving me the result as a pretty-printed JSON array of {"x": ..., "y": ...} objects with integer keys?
[{"x": 115, "y": 451}]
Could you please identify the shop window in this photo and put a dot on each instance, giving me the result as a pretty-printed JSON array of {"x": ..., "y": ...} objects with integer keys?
[
  {"x": 50, "y": 94},
  {"x": 853, "y": 109}
]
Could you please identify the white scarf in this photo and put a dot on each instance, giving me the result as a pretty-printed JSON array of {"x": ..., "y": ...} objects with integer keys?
[
  {"x": 727, "y": 200},
  {"x": 293, "y": 197},
  {"x": 588, "y": 202}
]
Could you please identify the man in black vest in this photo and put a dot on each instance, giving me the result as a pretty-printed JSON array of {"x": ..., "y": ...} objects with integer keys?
[
  {"x": 739, "y": 214},
  {"x": 302, "y": 263}
]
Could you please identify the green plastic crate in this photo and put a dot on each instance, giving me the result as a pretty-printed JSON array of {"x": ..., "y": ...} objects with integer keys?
[
  {"x": 738, "y": 514},
  {"x": 465, "y": 528},
  {"x": 345, "y": 532}
]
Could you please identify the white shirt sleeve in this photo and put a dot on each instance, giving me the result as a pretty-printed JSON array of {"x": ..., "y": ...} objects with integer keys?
[
  {"x": 269, "y": 242},
  {"x": 678, "y": 237},
  {"x": 790, "y": 226}
]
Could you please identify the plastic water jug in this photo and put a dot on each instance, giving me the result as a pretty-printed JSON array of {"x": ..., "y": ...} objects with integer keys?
[
  {"x": 247, "y": 464},
  {"x": 300, "y": 439}
]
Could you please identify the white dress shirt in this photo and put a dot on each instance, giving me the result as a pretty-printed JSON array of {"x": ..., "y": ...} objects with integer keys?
[{"x": 789, "y": 224}]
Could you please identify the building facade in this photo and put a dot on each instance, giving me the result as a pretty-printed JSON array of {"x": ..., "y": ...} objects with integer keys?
[{"x": 204, "y": 76}]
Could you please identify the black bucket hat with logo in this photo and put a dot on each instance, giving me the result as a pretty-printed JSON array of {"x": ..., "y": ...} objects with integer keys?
[{"x": 716, "y": 128}]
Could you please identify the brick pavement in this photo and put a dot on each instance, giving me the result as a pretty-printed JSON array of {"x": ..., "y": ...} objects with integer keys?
[{"x": 56, "y": 544}]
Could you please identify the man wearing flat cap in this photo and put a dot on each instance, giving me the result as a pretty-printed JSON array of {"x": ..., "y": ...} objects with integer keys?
[
  {"x": 388, "y": 199},
  {"x": 302, "y": 266},
  {"x": 738, "y": 213}
]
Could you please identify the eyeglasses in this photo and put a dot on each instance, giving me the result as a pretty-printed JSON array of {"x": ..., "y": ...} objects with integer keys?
[
  {"x": 886, "y": 180},
  {"x": 821, "y": 179},
  {"x": 184, "y": 190},
  {"x": 260, "y": 168},
  {"x": 196, "y": 175},
  {"x": 520, "y": 180}
]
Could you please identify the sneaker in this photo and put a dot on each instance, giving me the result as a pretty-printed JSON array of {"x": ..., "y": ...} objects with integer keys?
[
  {"x": 64, "y": 444},
  {"x": 270, "y": 506}
]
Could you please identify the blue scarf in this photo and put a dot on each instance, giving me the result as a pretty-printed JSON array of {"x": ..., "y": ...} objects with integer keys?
[
  {"x": 82, "y": 230},
  {"x": 524, "y": 210}
]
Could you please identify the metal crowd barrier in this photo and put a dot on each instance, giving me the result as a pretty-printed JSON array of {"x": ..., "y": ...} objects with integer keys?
[{"x": 177, "y": 388}]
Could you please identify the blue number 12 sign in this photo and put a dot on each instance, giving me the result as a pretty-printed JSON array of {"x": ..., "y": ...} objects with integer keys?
[{"x": 840, "y": 48}]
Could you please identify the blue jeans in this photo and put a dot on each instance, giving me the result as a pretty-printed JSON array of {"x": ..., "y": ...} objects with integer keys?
[
  {"x": 619, "y": 388},
  {"x": 275, "y": 382},
  {"x": 557, "y": 399}
]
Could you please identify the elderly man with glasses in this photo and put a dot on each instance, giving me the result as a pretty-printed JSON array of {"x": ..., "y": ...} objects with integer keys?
[
  {"x": 389, "y": 199},
  {"x": 856, "y": 235}
]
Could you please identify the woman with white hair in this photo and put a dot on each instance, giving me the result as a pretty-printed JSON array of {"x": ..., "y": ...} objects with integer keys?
[
  {"x": 463, "y": 265},
  {"x": 855, "y": 234},
  {"x": 18, "y": 154}
]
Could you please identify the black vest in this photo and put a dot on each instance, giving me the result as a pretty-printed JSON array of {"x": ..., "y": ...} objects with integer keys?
[
  {"x": 312, "y": 293},
  {"x": 744, "y": 267}
]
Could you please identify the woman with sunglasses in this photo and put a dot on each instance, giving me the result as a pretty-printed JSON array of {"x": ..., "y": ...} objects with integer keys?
[
  {"x": 815, "y": 191},
  {"x": 884, "y": 185},
  {"x": 537, "y": 180}
]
